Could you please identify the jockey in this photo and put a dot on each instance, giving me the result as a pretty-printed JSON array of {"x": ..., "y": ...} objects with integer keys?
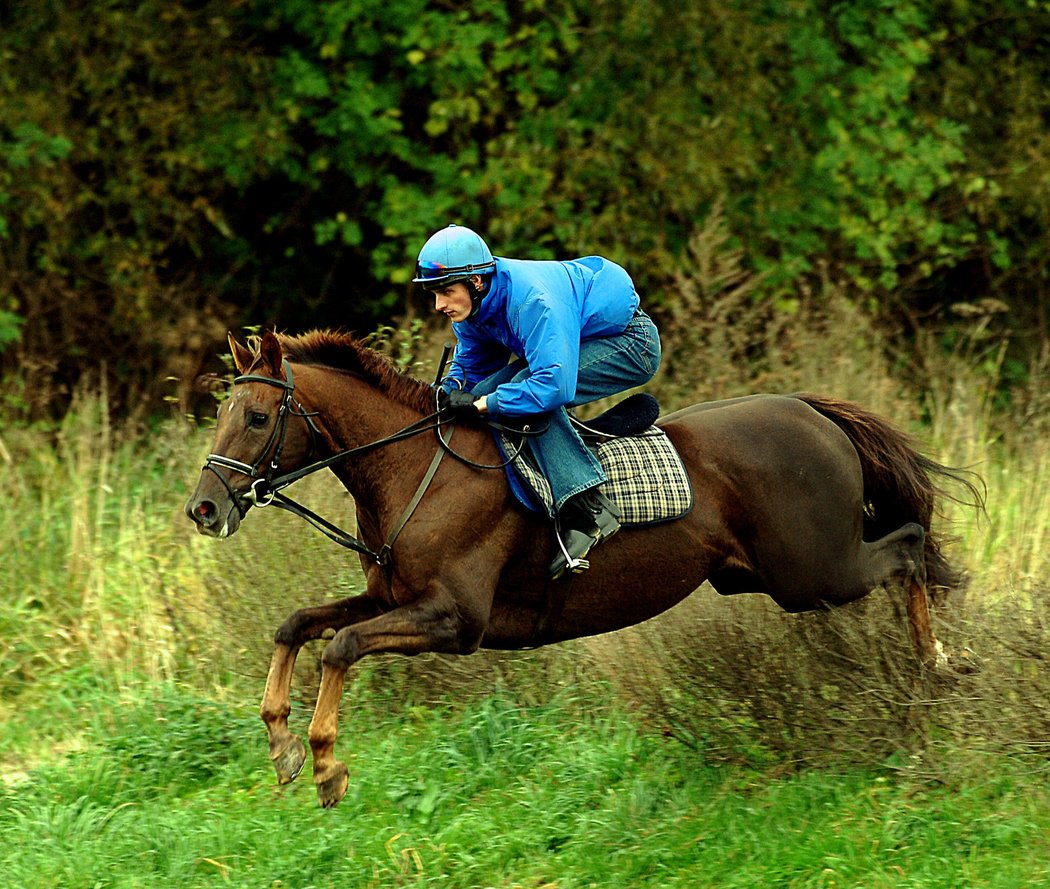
[{"x": 577, "y": 333}]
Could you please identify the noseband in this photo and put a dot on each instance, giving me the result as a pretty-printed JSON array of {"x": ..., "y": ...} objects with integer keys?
[{"x": 263, "y": 490}]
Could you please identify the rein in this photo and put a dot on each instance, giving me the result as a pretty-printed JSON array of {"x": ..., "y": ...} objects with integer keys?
[{"x": 266, "y": 488}]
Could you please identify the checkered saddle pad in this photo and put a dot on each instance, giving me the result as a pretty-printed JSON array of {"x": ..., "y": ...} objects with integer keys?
[{"x": 646, "y": 478}]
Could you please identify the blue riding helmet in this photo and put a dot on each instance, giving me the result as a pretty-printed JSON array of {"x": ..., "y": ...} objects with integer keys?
[{"x": 452, "y": 255}]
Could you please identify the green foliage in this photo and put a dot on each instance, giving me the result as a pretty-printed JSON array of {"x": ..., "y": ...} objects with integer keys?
[
  {"x": 881, "y": 170},
  {"x": 27, "y": 146},
  {"x": 172, "y": 170},
  {"x": 10, "y": 326},
  {"x": 394, "y": 106}
]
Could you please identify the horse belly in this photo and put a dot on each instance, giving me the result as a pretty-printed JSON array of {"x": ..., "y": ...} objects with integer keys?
[{"x": 638, "y": 574}]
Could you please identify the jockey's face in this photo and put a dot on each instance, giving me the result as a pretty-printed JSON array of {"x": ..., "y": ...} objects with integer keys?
[{"x": 453, "y": 301}]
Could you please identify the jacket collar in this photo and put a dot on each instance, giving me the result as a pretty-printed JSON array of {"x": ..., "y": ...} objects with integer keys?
[{"x": 492, "y": 303}]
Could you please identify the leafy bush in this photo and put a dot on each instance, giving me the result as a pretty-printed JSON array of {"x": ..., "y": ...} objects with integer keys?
[{"x": 171, "y": 170}]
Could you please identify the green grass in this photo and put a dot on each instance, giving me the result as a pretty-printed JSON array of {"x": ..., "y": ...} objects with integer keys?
[{"x": 176, "y": 791}]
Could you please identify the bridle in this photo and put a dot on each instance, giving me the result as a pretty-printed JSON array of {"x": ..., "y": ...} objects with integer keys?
[
  {"x": 263, "y": 489},
  {"x": 267, "y": 485}
]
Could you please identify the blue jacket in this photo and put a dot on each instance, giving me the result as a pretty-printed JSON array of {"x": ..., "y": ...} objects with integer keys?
[{"x": 541, "y": 311}]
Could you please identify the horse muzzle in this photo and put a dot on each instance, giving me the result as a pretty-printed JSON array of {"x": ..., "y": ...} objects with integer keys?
[{"x": 219, "y": 517}]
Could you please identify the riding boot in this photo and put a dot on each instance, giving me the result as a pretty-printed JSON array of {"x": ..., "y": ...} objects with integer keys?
[{"x": 584, "y": 521}]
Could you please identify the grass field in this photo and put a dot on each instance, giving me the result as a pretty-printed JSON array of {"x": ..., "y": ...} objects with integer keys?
[
  {"x": 173, "y": 789},
  {"x": 725, "y": 744}
]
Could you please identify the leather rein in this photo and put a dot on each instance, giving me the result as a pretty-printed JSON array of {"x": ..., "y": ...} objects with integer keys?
[{"x": 266, "y": 489}]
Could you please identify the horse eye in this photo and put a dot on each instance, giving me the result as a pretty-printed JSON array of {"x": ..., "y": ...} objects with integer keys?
[{"x": 257, "y": 420}]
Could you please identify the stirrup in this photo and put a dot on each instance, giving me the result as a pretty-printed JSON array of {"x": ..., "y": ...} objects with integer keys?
[{"x": 571, "y": 563}]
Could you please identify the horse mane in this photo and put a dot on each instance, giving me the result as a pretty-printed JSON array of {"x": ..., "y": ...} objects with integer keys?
[{"x": 339, "y": 350}]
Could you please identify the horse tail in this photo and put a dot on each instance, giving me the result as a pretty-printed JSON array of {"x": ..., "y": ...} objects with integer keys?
[{"x": 900, "y": 484}]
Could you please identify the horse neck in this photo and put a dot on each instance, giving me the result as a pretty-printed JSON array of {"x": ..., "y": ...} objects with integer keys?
[{"x": 353, "y": 413}]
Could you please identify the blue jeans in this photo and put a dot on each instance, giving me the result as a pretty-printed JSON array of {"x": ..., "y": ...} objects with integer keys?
[{"x": 607, "y": 365}]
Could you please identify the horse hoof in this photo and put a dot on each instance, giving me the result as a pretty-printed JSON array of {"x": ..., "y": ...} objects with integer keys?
[
  {"x": 288, "y": 761},
  {"x": 941, "y": 656},
  {"x": 332, "y": 785}
]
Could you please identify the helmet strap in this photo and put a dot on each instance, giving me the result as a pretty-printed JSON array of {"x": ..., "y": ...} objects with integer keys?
[{"x": 476, "y": 294}]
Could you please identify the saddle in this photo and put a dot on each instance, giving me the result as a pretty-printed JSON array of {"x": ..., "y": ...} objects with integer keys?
[{"x": 647, "y": 480}]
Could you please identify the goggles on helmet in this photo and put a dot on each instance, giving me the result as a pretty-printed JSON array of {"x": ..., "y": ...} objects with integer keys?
[{"x": 433, "y": 275}]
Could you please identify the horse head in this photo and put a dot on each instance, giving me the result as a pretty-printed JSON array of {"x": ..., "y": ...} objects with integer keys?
[{"x": 255, "y": 439}]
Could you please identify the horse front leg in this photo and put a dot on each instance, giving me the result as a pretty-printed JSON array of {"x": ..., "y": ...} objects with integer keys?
[
  {"x": 286, "y": 750},
  {"x": 433, "y": 624}
]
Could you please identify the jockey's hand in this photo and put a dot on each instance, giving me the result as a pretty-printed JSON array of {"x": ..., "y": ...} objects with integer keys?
[{"x": 457, "y": 402}]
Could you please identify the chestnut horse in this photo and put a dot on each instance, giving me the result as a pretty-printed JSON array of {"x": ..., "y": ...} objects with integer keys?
[{"x": 812, "y": 501}]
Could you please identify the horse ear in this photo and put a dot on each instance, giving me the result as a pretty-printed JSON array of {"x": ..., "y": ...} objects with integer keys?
[
  {"x": 242, "y": 358},
  {"x": 270, "y": 351}
]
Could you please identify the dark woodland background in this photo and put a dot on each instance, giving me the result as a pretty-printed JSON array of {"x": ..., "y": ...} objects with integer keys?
[{"x": 172, "y": 170}]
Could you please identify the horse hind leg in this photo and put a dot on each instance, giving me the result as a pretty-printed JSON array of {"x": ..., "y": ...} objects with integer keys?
[{"x": 900, "y": 556}]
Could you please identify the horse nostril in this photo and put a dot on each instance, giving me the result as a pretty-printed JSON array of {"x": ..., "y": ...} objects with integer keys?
[{"x": 202, "y": 512}]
